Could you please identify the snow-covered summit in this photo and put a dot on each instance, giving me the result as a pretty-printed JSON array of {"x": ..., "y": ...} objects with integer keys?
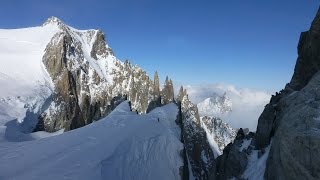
[
  {"x": 29, "y": 85},
  {"x": 215, "y": 105},
  {"x": 52, "y": 20}
]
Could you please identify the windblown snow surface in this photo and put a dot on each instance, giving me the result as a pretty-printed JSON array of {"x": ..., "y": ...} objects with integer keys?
[{"x": 123, "y": 145}]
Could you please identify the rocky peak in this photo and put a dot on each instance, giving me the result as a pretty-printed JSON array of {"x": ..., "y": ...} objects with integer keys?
[
  {"x": 167, "y": 92},
  {"x": 315, "y": 26},
  {"x": 99, "y": 46},
  {"x": 199, "y": 153},
  {"x": 92, "y": 39},
  {"x": 308, "y": 62},
  {"x": 53, "y": 20}
]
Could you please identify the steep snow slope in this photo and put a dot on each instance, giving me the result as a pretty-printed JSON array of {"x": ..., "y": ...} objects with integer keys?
[
  {"x": 123, "y": 145},
  {"x": 21, "y": 52},
  {"x": 219, "y": 133},
  {"x": 25, "y": 84}
]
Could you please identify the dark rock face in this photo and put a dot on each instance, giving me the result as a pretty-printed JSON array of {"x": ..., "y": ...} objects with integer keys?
[
  {"x": 167, "y": 93},
  {"x": 156, "y": 99},
  {"x": 289, "y": 118},
  {"x": 156, "y": 86},
  {"x": 308, "y": 62},
  {"x": 295, "y": 142},
  {"x": 66, "y": 95},
  {"x": 233, "y": 162},
  {"x": 99, "y": 47},
  {"x": 72, "y": 106},
  {"x": 289, "y": 124},
  {"x": 267, "y": 120},
  {"x": 198, "y": 151},
  {"x": 220, "y": 131}
]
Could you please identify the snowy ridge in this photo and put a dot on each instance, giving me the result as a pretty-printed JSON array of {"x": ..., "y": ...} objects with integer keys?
[{"x": 103, "y": 150}]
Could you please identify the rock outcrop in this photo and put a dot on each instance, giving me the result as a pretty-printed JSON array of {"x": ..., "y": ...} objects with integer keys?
[
  {"x": 198, "y": 151},
  {"x": 220, "y": 132},
  {"x": 167, "y": 92},
  {"x": 295, "y": 135},
  {"x": 308, "y": 63},
  {"x": 291, "y": 118},
  {"x": 156, "y": 99},
  {"x": 234, "y": 160}
]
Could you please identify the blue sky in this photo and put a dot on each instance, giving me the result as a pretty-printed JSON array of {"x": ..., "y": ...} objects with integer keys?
[{"x": 246, "y": 43}]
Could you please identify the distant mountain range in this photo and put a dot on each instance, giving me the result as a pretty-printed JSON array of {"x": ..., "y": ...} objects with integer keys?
[
  {"x": 238, "y": 107},
  {"x": 215, "y": 105}
]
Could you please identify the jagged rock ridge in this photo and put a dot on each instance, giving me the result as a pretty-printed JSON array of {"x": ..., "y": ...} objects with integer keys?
[{"x": 198, "y": 151}]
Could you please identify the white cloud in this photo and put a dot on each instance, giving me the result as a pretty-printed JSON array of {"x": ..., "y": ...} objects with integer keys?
[{"x": 247, "y": 104}]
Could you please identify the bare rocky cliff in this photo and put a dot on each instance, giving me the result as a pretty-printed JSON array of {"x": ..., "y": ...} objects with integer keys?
[
  {"x": 197, "y": 149},
  {"x": 289, "y": 126}
]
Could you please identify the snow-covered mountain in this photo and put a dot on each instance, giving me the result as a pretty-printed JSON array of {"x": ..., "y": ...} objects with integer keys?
[
  {"x": 67, "y": 78},
  {"x": 215, "y": 105},
  {"x": 239, "y": 107}
]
